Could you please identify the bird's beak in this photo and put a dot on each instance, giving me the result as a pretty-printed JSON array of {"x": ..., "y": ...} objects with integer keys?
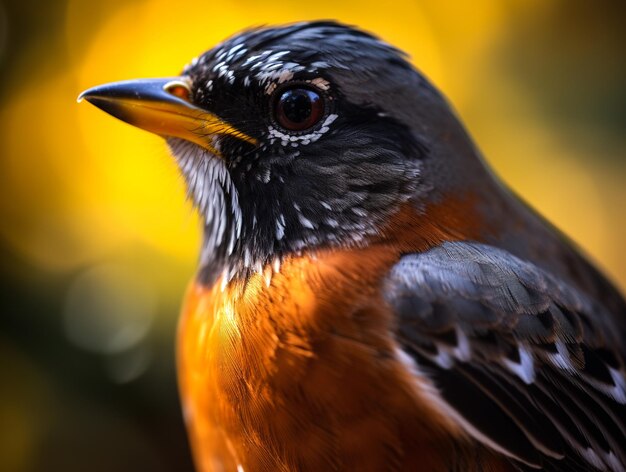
[{"x": 161, "y": 106}]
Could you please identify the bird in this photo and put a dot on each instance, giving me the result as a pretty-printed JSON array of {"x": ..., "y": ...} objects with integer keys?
[{"x": 370, "y": 296}]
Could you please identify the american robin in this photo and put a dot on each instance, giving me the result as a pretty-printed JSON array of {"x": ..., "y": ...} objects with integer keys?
[{"x": 370, "y": 297}]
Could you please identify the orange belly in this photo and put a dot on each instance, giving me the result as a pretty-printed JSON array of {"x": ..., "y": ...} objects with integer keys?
[{"x": 303, "y": 373}]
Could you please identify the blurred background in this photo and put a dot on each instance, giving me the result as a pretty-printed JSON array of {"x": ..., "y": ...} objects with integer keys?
[{"x": 97, "y": 242}]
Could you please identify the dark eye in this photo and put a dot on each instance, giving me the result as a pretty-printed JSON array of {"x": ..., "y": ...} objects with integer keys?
[{"x": 298, "y": 109}]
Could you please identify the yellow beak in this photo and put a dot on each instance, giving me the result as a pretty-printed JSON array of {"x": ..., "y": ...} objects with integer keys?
[{"x": 161, "y": 106}]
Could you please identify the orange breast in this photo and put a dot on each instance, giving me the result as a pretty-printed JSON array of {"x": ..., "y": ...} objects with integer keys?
[{"x": 304, "y": 375}]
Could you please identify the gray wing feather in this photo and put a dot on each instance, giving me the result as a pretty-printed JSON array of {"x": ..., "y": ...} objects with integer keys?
[{"x": 527, "y": 360}]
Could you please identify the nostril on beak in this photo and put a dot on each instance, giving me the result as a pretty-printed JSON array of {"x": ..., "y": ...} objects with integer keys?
[{"x": 178, "y": 88}]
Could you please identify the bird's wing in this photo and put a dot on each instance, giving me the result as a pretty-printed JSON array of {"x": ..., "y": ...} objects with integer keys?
[{"x": 525, "y": 363}]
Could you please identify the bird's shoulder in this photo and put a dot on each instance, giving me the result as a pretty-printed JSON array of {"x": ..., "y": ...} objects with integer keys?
[{"x": 525, "y": 363}]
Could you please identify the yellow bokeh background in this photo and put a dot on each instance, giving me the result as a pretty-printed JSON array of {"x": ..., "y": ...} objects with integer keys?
[
  {"x": 84, "y": 196},
  {"x": 78, "y": 184}
]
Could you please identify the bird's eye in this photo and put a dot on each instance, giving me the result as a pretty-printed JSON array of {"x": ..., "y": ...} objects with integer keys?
[{"x": 298, "y": 109}]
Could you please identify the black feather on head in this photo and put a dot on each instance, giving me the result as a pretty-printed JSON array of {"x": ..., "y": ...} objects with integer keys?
[{"x": 331, "y": 184}]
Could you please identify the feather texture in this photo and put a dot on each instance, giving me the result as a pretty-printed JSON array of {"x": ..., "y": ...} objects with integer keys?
[{"x": 530, "y": 363}]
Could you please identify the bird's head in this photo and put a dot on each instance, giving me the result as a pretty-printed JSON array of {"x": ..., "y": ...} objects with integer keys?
[{"x": 290, "y": 139}]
